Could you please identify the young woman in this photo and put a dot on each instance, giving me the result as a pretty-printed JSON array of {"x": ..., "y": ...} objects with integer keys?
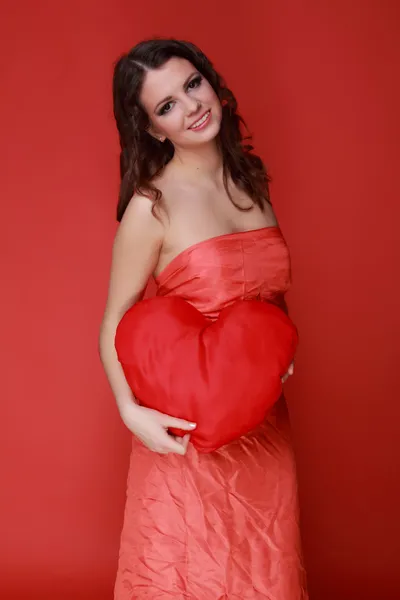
[{"x": 194, "y": 212}]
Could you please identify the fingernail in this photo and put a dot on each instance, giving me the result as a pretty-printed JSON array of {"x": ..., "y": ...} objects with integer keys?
[{"x": 193, "y": 424}]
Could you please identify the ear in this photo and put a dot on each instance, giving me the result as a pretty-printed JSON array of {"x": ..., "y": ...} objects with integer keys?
[{"x": 155, "y": 134}]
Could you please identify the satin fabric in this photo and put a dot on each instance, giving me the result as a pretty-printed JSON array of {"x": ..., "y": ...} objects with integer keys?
[{"x": 222, "y": 525}]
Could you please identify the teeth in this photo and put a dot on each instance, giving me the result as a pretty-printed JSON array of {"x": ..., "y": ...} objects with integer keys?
[{"x": 200, "y": 121}]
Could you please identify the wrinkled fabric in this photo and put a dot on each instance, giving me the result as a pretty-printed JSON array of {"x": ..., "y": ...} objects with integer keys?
[
  {"x": 222, "y": 525},
  {"x": 213, "y": 274}
]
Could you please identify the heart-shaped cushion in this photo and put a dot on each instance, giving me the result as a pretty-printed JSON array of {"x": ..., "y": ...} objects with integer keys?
[{"x": 223, "y": 375}]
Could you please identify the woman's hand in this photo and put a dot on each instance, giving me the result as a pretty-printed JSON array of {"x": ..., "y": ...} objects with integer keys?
[
  {"x": 290, "y": 372},
  {"x": 151, "y": 428}
]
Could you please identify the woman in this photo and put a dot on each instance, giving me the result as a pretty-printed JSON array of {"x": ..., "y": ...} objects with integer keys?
[{"x": 194, "y": 212}]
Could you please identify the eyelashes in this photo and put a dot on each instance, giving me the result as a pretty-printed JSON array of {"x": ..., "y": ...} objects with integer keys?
[
  {"x": 165, "y": 109},
  {"x": 195, "y": 82},
  {"x": 192, "y": 85}
]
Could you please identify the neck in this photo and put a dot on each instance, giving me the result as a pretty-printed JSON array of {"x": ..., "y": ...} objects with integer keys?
[{"x": 202, "y": 160}]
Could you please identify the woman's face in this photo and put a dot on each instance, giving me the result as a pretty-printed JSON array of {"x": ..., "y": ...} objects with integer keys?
[{"x": 181, "y": 104}]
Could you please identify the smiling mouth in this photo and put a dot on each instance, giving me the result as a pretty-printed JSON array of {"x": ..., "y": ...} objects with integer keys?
[{"x": 200, "y": 122}]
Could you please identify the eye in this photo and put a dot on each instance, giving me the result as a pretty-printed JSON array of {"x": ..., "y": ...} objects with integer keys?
[
  {"x": 165, "y": 109},
  {"x": 196, "y": 81}
]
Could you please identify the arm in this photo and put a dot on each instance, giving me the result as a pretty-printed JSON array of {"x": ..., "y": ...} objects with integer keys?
[{"x": 135, "y": 254}]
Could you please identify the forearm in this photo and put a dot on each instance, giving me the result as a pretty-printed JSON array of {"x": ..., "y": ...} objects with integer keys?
[{"x": 112, "y": 367}]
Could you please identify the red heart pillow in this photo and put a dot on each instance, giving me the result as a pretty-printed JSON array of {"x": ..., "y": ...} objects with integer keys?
[{"x": 223, "y": 375}]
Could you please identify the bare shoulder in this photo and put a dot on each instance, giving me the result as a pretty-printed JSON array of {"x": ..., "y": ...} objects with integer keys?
[
  {"x": 140, "y": 211},
  {"x": 140, "y": 223},
  {"x": 135, "y": 255},
  {"x": 138, "y": 240}
]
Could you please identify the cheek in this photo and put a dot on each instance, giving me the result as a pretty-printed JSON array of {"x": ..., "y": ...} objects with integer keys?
[
  {"x": 208, "y": 94},
  {"x": 170, "y": 124},
  {"x": 210, "y": 98}
]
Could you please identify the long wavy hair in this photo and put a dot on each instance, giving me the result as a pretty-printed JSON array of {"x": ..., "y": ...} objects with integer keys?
[{"x": 143, "y": 157}]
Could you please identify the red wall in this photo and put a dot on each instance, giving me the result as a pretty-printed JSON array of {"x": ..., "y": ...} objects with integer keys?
[
  {"x": 317, "y": 83},
  {"x": 330, "y": 128}
]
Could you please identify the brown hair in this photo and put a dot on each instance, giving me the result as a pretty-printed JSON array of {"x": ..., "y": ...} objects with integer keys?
[{"x": 143, "y": 157}]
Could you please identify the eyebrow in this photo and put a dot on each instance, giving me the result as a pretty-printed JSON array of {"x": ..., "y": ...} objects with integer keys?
[{"x": 169, "y": 98}]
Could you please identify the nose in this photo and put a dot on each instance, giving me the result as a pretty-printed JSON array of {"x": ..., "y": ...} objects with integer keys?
[{"x": 192, "y": 105}]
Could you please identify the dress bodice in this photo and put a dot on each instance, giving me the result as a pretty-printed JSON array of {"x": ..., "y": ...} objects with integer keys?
[{"x": 214, "y": 273}]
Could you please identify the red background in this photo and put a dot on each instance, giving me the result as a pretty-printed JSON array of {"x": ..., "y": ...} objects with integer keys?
[{"x": 318, "y": 84}]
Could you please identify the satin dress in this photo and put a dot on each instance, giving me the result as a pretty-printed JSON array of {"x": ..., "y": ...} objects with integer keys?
[{"x": 222, "y": 525}]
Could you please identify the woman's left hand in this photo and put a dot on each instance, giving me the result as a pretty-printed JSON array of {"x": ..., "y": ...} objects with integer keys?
[{"x": 290, "y": 372}]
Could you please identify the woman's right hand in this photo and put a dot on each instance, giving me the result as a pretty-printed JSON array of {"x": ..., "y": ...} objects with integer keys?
[{"x": 151, "y": 428}]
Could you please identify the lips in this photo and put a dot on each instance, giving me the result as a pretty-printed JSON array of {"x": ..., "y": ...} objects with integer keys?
[{"x": 197, "y": 124}]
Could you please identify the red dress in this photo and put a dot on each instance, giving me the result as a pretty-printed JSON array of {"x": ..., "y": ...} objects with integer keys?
[{"x": 222, "y": 525}]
